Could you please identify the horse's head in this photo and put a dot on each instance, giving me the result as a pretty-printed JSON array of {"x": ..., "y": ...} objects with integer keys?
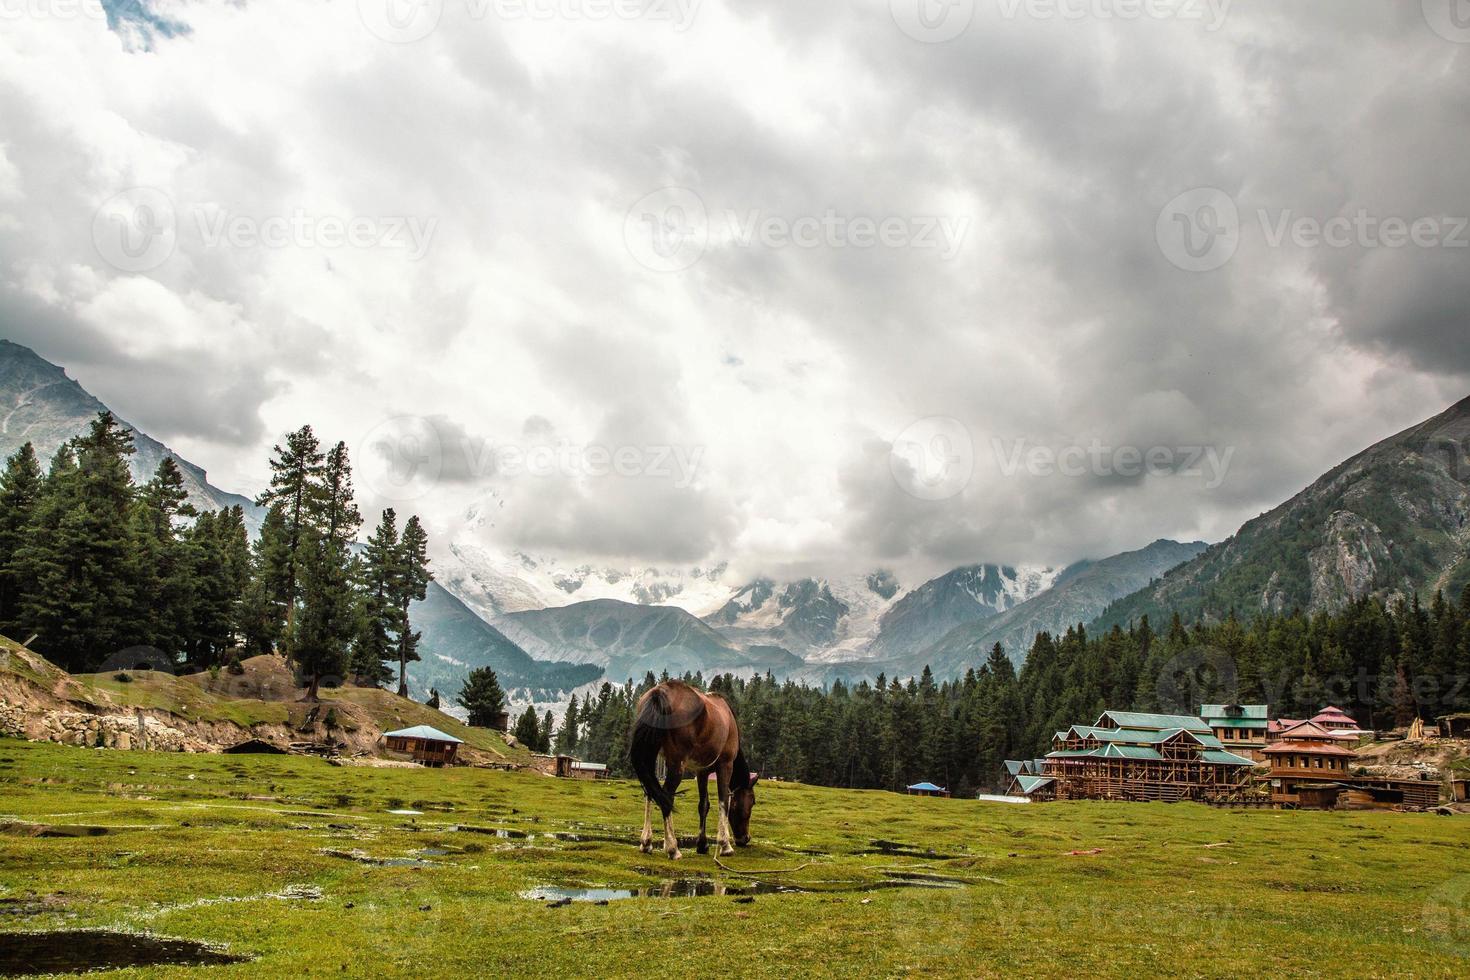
[{"x": 742, "y": 801}]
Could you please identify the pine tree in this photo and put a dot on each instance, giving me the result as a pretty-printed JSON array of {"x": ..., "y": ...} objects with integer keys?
[
  {"x": 482, "y": 697},
  {"x": 162, "y": 573},
  {"x": 20, "y": 490},
  {"x": 75, "y": 562},
  {"x": 325, "y": 630},
  {"x": 378, "y": 619},
  {"x": 528, "y": 730},
  {"x": 548, "y": 726},
  {"x": 266, "y": 597},
  {"x": 566, "y": 736},
  {"x": 413, "y": 583},
  {"x": 296, "y": 487}
]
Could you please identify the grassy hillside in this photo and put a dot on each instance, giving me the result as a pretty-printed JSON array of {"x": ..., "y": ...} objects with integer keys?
[
  {"x": 281, "y": 859},
  {"x": 265, "y": 694}
]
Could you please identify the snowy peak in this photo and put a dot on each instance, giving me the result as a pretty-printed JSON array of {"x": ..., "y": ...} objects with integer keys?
[
  {"x": 965, "y": 595},
  {"x": 815, "y": 619}
]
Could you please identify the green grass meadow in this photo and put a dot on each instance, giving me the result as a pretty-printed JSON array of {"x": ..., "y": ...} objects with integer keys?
[{"x": 234, "y": 849}]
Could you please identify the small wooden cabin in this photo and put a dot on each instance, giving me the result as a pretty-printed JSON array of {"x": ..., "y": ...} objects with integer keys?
[
  {"x": 927, "y": 789},
  {"x": 425, "y": 745},
  {"x": 1455, "y": 726}
]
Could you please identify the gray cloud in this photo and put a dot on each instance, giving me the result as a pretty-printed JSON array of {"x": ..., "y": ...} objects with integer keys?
[{"x": 1059, "y": 320}]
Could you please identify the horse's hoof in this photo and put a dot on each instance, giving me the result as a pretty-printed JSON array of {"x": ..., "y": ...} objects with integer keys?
[
  {"x": 701, "y": 848},
  {"x": 646, "y": 848},
  {"x": 726, "y": 852},
  {"x": 675, "y": 856}
]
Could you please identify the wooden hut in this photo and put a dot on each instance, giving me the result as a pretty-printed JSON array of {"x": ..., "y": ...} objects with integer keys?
[
  {"x": 927, "y": 789},
  {"x": 425, "y": 745},
  {"x": 1454, "y": 726}
]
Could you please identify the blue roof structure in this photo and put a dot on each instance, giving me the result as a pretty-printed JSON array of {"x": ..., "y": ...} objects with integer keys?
[
  {"x": 424, "y": 731},
  {"x": 927, "y": 788}
]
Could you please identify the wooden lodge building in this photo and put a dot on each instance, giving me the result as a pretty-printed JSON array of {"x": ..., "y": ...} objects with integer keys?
[
  {"x": 1241, "y": 728},
  {"x": 1130, "y": 755},
  {"x": 425, "y": 745}
]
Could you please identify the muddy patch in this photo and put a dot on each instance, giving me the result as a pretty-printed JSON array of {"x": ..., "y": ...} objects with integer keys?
[
  {"x": 22, "y": 829},
  {"x": 362, "y": 857},
  {"x": 85, "y": 950}
]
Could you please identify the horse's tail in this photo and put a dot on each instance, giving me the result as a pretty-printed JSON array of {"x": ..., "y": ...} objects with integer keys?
[{"x": 647, "y": 741}]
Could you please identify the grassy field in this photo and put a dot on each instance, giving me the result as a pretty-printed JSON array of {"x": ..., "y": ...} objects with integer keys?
[{"x": 280, "y": 859}]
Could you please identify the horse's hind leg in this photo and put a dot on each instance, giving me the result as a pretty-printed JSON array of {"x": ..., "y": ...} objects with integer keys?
[
  {"x": 702, "y": 846},
  {"x": 646, "y": 844}
]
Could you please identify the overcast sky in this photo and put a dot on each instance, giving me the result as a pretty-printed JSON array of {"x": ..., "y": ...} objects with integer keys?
[{"x": 814, "y": 284}]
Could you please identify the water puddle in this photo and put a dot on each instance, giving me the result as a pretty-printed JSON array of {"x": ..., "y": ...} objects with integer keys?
[
  {"x": 558, "y": 895},
  {"x": 85, "y": 950},
  {"x": 501, "y": 832}
]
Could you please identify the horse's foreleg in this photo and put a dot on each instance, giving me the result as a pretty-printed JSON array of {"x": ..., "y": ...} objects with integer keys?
[
  {"x": 671, "y": 840},
  {"x": 702, "y": 845},
  {"x": 726, "y": 836},
  {"x": 646, "y": 844}
]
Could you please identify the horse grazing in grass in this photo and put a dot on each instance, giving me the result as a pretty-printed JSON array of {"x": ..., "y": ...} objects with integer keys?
[{"x": 696, "y": 732}]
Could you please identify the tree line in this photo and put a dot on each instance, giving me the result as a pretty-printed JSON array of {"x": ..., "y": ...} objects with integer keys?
[
  {"x": 93, "y": 566},
  {"x": 1385, "y": 664}
]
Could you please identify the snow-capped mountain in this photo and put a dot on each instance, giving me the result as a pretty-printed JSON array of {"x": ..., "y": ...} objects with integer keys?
[
  {"x": 496, "y": 584},
  {"x": 964, "y": 595},
  {"x": 818, "y": 620}
]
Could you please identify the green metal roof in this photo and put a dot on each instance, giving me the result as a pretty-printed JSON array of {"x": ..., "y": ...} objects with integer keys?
[
  {"x": 1139, "y": 752},
  {"x": 1248, "y": 712},
  {"x": 1029, "y": 784},
  {"x": 1141, "y": 719},
  {"x": 1224, "y": 758},
  {"x": 423, "y": 731}
]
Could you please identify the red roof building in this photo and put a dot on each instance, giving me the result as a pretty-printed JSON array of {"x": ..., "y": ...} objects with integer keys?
[{"x": 1332, "y": 717}]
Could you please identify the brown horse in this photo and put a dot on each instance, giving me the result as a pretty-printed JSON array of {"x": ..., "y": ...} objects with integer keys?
[{"x": 696, "y": 732}]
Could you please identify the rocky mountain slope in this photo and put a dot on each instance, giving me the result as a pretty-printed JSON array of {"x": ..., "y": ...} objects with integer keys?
[
  {"x": 965, "y": 595},
  {"x": 39, "y": 404},
  {"x": 1390, "y": 521},
  {"x": 1080, "y": 594}
]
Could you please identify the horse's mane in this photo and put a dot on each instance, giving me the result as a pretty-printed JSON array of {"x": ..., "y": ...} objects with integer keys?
[{"x": 740, "y": 773}]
